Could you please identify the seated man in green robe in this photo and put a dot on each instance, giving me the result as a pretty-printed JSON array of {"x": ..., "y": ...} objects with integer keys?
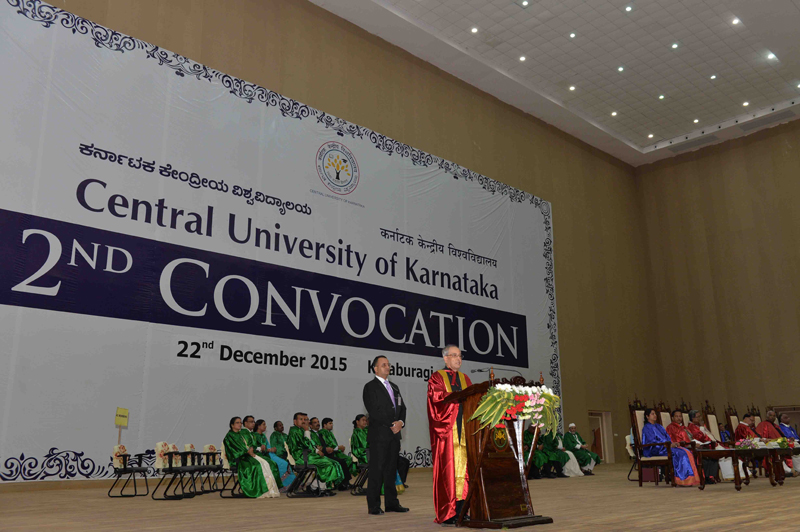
[
  {"x": 248, "y": 426},
  {"x": 278, "y": 439},
  {"x": 329, "y": 472},
  {"x": 313, "y": 427},
  {"x": 334, "y": 451},
  {"x": 574, "y": 443},
  {"x": 548, "y": 458}
]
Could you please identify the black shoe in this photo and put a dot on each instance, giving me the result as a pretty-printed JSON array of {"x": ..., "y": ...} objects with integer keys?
[
  {"x": 375, "y": 511},
  {"x": 344, "y": 487},
  {"x": 589, "y": 473},
  {"x": 327, "y": 493},
  {"x": 561, "y": 475},
  {"x": 450, "y": 522},
  {"x": 396, "y": 508}
]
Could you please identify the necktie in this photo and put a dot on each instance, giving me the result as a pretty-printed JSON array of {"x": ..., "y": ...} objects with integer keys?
[{"x": 391, "y": 393}]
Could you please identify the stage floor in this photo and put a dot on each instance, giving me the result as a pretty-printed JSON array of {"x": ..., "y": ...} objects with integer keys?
[{"x": 606, "y": 501}]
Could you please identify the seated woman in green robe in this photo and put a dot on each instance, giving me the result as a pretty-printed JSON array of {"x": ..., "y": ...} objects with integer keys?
[
  {"x": 255, "y": 475},
  {"x": 283, "y": 475},
  {"x": 358, "y": 447}
]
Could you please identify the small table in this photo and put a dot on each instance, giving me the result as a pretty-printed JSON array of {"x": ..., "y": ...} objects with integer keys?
[{"x": 716, "y": 454}]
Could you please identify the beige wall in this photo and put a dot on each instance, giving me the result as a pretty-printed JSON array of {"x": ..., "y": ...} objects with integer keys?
[
  {"x": 723, "y": 233},
  {"x": 604, "y": 311}
]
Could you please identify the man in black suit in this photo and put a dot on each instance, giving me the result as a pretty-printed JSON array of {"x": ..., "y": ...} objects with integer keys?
[{"x": 387, "y": 415}]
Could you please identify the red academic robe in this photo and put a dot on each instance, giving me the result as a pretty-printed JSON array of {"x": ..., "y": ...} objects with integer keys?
[
  {"x": 743, "y": 431},
  {"x": 441, "y": 420},
  {"x": 701, "y": 436},
  {"x": 768, "y": 431},
  {"x": 678, "y": 433}
]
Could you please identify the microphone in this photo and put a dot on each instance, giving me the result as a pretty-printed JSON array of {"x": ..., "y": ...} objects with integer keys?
[{"x": 484, "y": 370}]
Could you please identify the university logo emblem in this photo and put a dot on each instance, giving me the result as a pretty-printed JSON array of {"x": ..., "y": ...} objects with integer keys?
[
  {"x": 500, "y": 438},
  {"x": 337, "y": 167}
]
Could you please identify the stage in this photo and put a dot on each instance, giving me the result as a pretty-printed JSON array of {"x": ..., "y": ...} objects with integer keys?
[{"x": 606, "y": 501}]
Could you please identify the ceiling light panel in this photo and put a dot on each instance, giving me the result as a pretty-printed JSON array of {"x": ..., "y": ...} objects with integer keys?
[{"x": 608, "y": 37}]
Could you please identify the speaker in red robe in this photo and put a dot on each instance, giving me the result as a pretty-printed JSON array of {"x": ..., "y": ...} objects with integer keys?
[{"x": 448, "y": 437}]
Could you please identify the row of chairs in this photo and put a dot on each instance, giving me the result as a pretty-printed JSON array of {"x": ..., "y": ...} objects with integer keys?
[{"x": 211, "y": 468}]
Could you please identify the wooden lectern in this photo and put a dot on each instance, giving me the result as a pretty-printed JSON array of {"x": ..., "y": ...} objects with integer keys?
[{"x": 498, "y": 494}]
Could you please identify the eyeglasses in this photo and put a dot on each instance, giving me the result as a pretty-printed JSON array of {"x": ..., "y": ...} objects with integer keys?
[{"x": 458, "y": 355}]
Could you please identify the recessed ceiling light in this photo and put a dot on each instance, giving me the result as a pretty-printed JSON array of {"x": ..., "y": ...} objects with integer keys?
[
  {"x": 628, "y": 8},
  {"x": 714, "y": 76},
  {"x": 613, "y": 113},
  {"x": 771, "y": 56},
  {"x": 696, "y": 120},
  {"x": 650, "y": 136},
  {"x": 745, "y": 104},
  {"x": 571, "y": 35},
  {"x": 736, "y": 21},
  {"x": 572, "y": 87},
  {"x": 798, "y": 86},
  {"x": 474, "y": 30},
  {"x": 522, "y": 58},
  {"x": 620, "y": 69},
  {"x": 524, "y": 3},
  {"x": 661, "y": 97},
  {"x": 674, "y": 45}
]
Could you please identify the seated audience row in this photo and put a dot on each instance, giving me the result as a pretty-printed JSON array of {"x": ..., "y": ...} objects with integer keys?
[
  {"x": 264, "y": 470},
  {"x": 679, "y": 437},
  {"x": 557, "y": 457}
]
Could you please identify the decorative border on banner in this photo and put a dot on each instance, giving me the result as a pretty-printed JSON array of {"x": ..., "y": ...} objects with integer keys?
[
  {"x": 419, "y": 458},
  {"x": 48, "y": 16},
  {"x": 64, "y": 465}
]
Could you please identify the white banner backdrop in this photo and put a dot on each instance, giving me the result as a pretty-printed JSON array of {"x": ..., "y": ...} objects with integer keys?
[{"x": 191, "y": 246}]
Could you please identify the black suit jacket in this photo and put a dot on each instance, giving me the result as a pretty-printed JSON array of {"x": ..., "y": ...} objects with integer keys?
[{"x": 380, "y": 410}]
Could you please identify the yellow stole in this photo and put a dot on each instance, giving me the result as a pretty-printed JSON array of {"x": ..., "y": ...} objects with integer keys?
[{"x": 459, "y": 444}]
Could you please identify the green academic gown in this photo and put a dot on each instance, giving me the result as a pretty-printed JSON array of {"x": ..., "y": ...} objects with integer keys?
[
  {"x": 251, "y": 478},
  {"x": 328, "y": 471},
  {"x": 584, "y": 457},
  {"x": 329, "y": 440},
  {"x": 358, "y": 444},
  {"x": 550, "y": 451},
  {"x": 277, "y": 440},
  {"x": 258, "y": 441},
  {"x": 315, "y": 439}
]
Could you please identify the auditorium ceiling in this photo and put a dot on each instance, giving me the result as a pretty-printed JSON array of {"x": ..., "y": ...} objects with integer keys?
[{"x": 640, "y": 79}]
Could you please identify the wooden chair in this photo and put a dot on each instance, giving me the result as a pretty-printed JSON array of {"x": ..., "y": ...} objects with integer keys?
[
  {"x": 664, "y": 413},
  {"x": 637, "y": 424},
  {"x": 123, "y": 467}
]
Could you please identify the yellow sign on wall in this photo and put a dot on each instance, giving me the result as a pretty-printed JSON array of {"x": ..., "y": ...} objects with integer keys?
[{"x": 122, "y": 417}]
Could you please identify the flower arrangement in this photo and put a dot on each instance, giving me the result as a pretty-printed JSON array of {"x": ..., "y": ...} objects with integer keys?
[
  {"x": 779, "y": 443},
  {"x": 746, "y": 443},
  {"x": 504, "y": 402}
]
